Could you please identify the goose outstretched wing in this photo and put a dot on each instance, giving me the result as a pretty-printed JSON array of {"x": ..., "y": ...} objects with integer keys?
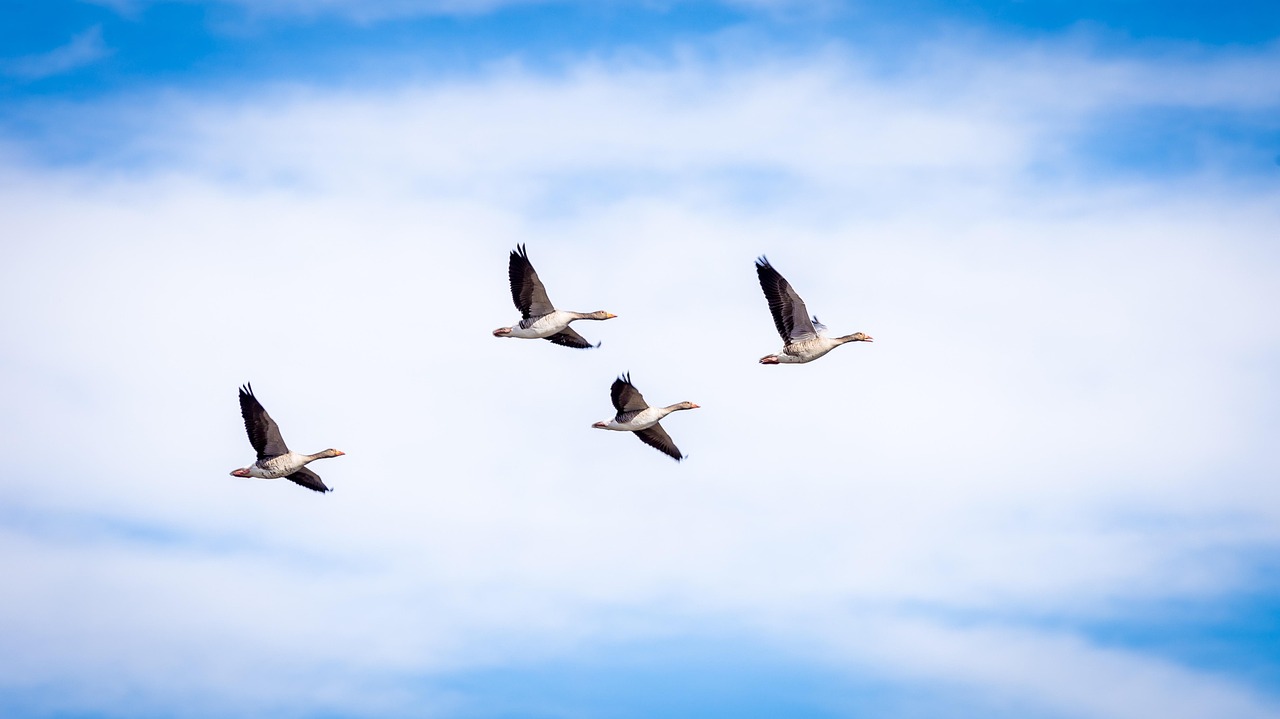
[
  {"x": 789, "y": 313},
  {"x": 526, "y": 289},
  {"x": 264, "y": 433}
]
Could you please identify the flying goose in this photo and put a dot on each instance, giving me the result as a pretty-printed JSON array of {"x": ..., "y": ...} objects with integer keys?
[
  {"x": 274, "y": 458},
  {"x": 635, "y": 415},
  {"x": 805, "y": 340},
  {"x": 539, "y": 318}
]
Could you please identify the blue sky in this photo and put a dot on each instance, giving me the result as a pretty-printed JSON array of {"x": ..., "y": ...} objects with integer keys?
[{"x": 1047, "y": 490}]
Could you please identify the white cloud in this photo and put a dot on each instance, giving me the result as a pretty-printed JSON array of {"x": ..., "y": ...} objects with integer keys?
[
  {"x": 966, "y": 124},
  {"x": 1077, "y": 678},
  {"x": 354, "y": 10},
  {"x": 365, "y": 11},
  {"x": 1053, "y": 362},
  {"x": 84, "y": 49}
]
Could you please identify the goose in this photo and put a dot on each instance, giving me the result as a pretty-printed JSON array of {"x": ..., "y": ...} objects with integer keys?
[
  {"x": 635, "y": 415},
  {"x": 274, "y": 458},
  {"x": 539, "y": 318},
  {"x": 805, "y": 340}
]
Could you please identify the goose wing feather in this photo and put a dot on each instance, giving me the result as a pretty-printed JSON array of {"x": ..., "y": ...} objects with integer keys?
[
  {"x": 568, "y": 338},
  {"x": 264, "y": 433},
  {"x": 658, "y": 438},
  {"x": 527, "y": 290},
  {"x": 789, "y": 313},
  {"x": 308, "y": 479},
  {"x": 626, "y": 398}
]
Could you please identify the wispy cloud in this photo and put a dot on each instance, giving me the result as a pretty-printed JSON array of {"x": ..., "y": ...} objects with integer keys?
[
  {"x": 373, "y": 10},
  {"x": 383, "y": 10},
  {"x": 1067, "y": 674},
  {"x": 84, "y": 49},
  {"x": 827, "y": 120}
]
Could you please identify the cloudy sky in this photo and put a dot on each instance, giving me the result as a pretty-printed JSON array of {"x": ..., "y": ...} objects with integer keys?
[{"x": 1048, "y": 490}]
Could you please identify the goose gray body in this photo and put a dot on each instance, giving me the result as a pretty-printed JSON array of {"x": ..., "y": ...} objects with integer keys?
[
  {"x": 275, "y": 459},
  {"x": 539, "y": 319},
  {"x": 804, "y": 338},
  {"x": 635, "y": 415}
]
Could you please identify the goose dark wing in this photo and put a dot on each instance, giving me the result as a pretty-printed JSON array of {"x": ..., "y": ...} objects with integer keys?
[
  {"x": 789, "y": 313},
  {"x": 264, "y": 433},
  {"x": 626, "y": 398},
  {"x": 308, "y": 479},
  {"x": 658, "y": 438},
  {"x": 526, "y": 289},
  {"x": 568, "y": 338}
]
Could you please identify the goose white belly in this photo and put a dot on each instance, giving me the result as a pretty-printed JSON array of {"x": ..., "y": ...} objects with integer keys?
[
  {"x": 543, "y": 327},
  {"x": 276, "y": 467},
  {"x": 644, "y": 420},
  {"x": 806, "y": 350}
]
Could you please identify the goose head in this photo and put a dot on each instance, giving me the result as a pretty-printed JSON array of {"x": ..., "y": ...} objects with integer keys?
[
  {"x": 330, "y": 453},
  {"x": 857, "y": 337},
  {"x": 600, "y": 315},
  {"x": 685, "y": 405}
]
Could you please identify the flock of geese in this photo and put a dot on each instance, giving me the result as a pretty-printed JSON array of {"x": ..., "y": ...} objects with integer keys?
[{"x": 804, "y": 340}]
